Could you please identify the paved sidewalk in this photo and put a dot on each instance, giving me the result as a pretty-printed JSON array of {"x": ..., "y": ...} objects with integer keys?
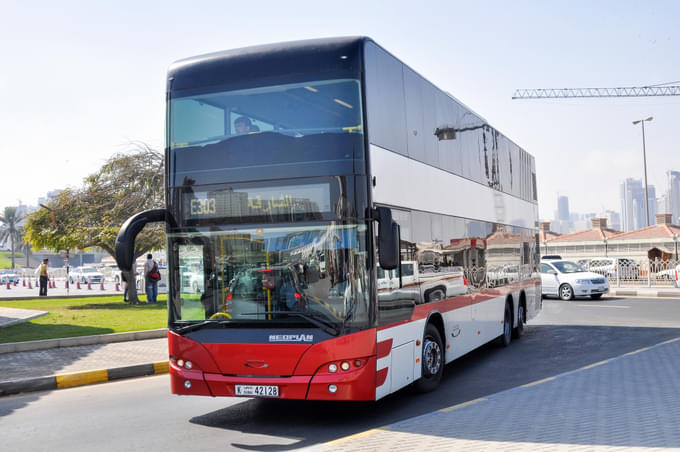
[
  {"x": 11, "y": 316},
  {"x": 631, "y": 402}
]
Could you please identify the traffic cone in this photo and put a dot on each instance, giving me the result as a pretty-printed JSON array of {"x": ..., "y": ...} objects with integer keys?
[
  {"x": 101, "y": 286},
  {"x": 89, "y": 286},
  {"x": 78, "y": 285}
]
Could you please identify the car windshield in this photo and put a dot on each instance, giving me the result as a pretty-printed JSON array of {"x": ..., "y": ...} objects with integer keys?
[
  {"x": 89, "y": 270},
  {"x": 274, "y": 276},
  {"x": 568, "y": 267}
]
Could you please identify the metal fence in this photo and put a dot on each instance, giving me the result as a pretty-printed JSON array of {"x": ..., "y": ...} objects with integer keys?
[{"x": 623, "y": 272}]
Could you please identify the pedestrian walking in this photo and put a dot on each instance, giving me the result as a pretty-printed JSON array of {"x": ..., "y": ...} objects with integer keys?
[
  {"x": 151, "y": 276},
  {"x": 41, "y": 271}
]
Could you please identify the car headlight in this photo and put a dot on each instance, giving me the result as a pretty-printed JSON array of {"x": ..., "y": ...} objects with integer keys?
[{"x": 582, "y": 281}]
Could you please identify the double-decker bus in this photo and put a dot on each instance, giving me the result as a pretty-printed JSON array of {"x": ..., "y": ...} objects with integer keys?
[{"x": 337, "y": 227}]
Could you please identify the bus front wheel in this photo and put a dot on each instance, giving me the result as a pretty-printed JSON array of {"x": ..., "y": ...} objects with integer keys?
[{"x": 432, "y": 360}]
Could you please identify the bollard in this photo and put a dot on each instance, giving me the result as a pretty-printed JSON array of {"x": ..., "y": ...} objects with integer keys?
[
  {"x": 30, "y": 286},
  {"x": 117, "y": 287},
  {"x": 16, "y": 282},
  {"x": 89, "y": 286},
  {"x": 8, "y": 285},
  {"x": 77, "y": 284},
  {"x": 23, "y": 282},
  {"x": 66, "y": 284},
  {"x": 101, "y": 286}
]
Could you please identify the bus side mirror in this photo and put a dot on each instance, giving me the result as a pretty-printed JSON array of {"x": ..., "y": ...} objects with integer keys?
[
  {"x": 388, "y": 236},
  {"x": 125, "y": 240}
]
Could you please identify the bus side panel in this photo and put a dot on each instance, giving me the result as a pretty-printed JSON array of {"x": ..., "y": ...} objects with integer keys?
[
  {"x": 397, "y": 353},
  {"x": 487, "y": 317}
]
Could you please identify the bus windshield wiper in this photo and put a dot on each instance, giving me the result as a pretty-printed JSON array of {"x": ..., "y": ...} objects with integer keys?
[
  {"x": 196, "y": 326},
  {"x": 325, "y": 325}
]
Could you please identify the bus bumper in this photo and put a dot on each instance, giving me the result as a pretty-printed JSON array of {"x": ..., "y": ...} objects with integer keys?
[{"x": 357, "y": 383}]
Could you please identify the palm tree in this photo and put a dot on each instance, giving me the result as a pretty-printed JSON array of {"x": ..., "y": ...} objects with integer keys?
[{"x": 10, "y": 229}]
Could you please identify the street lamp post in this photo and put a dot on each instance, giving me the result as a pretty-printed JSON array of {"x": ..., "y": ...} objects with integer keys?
[
  {"x": 605, "y": 247},
  {"x": 644, "y": 157},
  {"x": 675, "y": 240}
]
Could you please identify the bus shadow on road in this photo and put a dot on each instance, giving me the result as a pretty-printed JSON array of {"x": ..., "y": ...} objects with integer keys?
[{"x": 544, "y": 351}]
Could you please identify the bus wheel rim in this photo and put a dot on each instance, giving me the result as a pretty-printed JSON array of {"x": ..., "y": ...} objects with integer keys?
[{"x": 432, "y": 357}]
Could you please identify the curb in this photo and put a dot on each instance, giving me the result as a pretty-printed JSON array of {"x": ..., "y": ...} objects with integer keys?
[
  {"x": 646, "y": 293},
  {"x": 12, "y": 347},
  {"x": 83, "y": 378}
]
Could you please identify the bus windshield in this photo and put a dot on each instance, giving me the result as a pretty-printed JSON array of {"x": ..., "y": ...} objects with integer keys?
[
  {"x": 298, "y": 109},
  {"x": 276, "y": 131},
  {"x": 272, "y": 276}
]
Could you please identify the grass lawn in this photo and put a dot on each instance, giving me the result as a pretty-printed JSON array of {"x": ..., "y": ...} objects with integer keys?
[
  {"x": 6, "y": 259},
  {"x": 72, "y": 317}
]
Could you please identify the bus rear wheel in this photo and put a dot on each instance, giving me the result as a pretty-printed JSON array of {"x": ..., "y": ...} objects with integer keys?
[
  {"x": 432, "y": 360},
  {"x": 518, "y": 331},
  {"x": 506, "y": 337}
]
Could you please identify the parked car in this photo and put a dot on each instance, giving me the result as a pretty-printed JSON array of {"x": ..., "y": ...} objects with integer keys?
[
  {"x": 613, "y": 267},
  {"x": 567, "y": 279},
  {"x": 85, "y": 275},
  {"x": 8, "y": 276},
  {"x": 672, "y": 274}
]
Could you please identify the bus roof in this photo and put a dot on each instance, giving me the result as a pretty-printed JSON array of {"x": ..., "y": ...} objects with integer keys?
[{"x": 229, "y": 66}]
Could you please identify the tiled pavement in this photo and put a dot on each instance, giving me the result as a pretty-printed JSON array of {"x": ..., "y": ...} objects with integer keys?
[{"x": 627, "y": 403}]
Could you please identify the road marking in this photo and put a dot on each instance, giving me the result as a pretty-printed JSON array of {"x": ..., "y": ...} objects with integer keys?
[
  {"x": 463, "y": 405},
  {"x": 356, "y": 436},
  {"x": 538, "y": 382},
  {"x": 601, "y": 306}
]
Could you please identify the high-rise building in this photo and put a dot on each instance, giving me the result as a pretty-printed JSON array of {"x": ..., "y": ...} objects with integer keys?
[
  {"x": 673, "y": 196},
  {"x": 613, "y": 219},
  {"x": 562, "y": 208},
  {"x": 633, "y": 205}
]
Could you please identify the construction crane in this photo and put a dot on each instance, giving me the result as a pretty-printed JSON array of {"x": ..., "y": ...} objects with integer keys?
[{"x": 563, "y": 93}]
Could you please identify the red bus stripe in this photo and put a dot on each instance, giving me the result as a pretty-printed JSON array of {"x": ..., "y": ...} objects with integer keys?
[
  {"x": 384, "y": 348},
  {"x": 380, "y": 377}
]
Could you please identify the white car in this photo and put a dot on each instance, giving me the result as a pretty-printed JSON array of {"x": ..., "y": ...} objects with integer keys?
[
  {"x": 85, "y": 275},
  {"x": 567, "y": 279}
]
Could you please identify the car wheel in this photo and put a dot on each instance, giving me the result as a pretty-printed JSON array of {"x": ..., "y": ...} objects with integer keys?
[
  {"x": 566, "y": 292},
  {"x": 518, "y": 331},
  {"x": 435, "y": 295},
  {"x": 506, "y": 337},
  {"x": 432, "y": 360},
  {"x": 596, "y": 296}
]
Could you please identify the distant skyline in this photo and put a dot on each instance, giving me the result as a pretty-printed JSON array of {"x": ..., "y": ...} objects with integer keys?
[{"x": 84, "y": 79}]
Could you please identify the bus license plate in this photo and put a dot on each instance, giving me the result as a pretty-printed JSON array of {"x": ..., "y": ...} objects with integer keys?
[{"x": 257, "y": 391}]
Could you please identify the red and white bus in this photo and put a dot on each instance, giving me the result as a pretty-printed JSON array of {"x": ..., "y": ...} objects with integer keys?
[{"x": 337, "y": 227}]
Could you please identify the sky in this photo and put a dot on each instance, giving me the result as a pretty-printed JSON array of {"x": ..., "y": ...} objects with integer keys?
[{"x": 82, "y": 80}]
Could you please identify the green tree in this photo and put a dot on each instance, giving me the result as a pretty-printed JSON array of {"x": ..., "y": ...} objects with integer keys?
[
  {"x": 10, "y": 229},
  {"x": 91, "y": 216}
]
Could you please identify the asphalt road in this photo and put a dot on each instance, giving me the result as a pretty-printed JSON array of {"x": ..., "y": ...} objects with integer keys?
[{"x": 141, "y": 414}]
